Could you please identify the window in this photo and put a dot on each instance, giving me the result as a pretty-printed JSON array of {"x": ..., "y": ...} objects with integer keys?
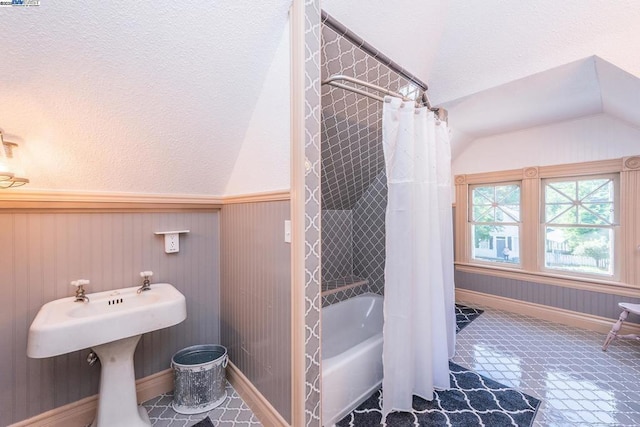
[
  {"x": 579, "y": 221},
  {"x": 572, "y": 225},
  {"x": 495, "y": 222}
]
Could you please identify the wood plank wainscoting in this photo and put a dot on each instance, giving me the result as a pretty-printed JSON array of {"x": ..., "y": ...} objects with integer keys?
[
  {"x": 553, "y": 314},
  {"x": 55, "y": 237}
]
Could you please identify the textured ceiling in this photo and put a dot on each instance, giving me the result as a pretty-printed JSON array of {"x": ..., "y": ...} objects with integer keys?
[
  {"x": 156, "y": 97},
  {"x": 150, "y": 97}
]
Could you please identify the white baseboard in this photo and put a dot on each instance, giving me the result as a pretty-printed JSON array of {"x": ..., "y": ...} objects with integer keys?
[
  {"x": 545, "y": 312},
  {"x": 82, "y": 412},
  {"x": 260, "y": 406}
]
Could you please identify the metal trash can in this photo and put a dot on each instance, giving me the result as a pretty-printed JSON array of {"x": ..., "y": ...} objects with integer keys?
[{"x": 199, "y": 378}]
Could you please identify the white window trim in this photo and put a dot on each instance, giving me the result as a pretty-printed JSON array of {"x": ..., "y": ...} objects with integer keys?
[{"x": 626, "y": 283}]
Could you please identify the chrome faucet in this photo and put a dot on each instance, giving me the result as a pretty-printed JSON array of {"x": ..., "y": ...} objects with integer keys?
[
  {"x": 80, "y": 293},
  {"x": 146, "y": 284}
]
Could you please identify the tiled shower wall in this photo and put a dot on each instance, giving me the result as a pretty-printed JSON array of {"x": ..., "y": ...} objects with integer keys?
[
  {"x": 337, "y": 244},
  {"x": 44, "y": 250},
  {"x": 369, "y": 234},
  {"x": 353, "y": 181}
]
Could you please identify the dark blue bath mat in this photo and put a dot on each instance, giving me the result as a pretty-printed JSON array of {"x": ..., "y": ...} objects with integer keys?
[
  {"x": 465, "y": 315},
  {"x": 473, "y": 400},
  {"x": 204, "y": 423}
]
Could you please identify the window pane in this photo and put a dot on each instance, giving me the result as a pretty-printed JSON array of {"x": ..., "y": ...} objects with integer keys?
[
  {"x": 555, "y": 211},
  {"x": 585, "y": 201},
  {"x": 564, "y": 190},
  {"x": 483, "y": 196},
  {"x": 496, "y": 243},
  {"x": 566, "y": 215},
  {"x": 604, "y": 192},
  {"x": 508, "y": 194},
  {"x": 496, "y": 203},
  {"x": 594, "y": 188},
  {"x": 579, "y": 249},
  {"x": 509, "y": 213},
  {"x": 596, "y": 213},
  {"x": 554, "y": 195},
  {"x": 484, "y": 214}
]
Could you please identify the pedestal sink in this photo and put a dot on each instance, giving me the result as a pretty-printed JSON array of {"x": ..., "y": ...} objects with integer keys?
[{"x": 111, "y": 323}]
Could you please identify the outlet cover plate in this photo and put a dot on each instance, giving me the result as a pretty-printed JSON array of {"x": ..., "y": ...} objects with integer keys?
[
  {"x": 171, "y": 243},
  {"x": 171, "y": 240}
]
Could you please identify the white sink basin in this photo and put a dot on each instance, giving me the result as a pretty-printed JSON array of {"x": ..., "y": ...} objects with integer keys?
[
  {"x": 111, "y": 323},
  {"x": 63, "y": 325}
]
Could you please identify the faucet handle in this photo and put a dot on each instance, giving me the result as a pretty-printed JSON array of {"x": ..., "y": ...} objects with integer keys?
[
  {"x": 146, "y": 274},
  {"x": 80, "y": 282}
]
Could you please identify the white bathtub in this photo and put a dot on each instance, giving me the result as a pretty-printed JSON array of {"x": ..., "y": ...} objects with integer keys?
[{"x": 351, "y": 354}]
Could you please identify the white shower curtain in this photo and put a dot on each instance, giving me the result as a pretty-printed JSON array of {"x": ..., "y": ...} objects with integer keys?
[{"x": 419, "y": 323}]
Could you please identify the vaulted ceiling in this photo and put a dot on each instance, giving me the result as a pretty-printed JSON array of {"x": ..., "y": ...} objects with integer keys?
[
  {"x": 502, "y": 66},
  {"x": 148, "y": 97},
  {"x": 158, "y": 97}
]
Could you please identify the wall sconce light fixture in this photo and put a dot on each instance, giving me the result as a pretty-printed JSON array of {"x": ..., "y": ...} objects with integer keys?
[{"x": 10, "y": 167}]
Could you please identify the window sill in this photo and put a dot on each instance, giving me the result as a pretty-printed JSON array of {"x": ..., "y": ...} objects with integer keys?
[{"x": 587, "y": 284}]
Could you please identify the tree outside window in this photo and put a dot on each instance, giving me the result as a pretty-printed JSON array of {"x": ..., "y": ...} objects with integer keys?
[
  {"x": 495, "y": 222},
  {"x": 579, "y": 223}
]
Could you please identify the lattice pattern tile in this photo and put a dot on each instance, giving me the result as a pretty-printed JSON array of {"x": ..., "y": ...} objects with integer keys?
[
  {"x": 352, "y": 154},
  {"x": 369, "y": 234},
  {"x": 337, "y": 245},
  {"x": 313, "y": 300},
  {"x": 465, "y": 315},
  {"x": 332, "y": 286},
  {"x": 578, "y": 383},
  {"x": 233, "y": 412},
  {"x": 472, "y": 401},
  {"x": 346, "y": 292}
]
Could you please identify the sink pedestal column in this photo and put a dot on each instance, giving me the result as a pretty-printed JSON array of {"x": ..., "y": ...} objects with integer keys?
[{"x": 117, "y": 402}]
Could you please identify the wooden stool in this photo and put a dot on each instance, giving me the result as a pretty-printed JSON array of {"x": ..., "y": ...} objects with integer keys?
[{"x": 613, "y": 334}]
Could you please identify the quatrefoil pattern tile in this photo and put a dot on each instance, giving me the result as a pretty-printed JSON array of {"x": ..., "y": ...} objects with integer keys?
[
  {"x": 233, "y": 412},
  {"x": 473, "y": 400},
  {"x": 351, "y": 124},
  {"x": 465, "y": 315}
]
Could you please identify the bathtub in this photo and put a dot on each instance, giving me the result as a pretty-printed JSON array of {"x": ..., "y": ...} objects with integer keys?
[{"x": 351, "y": 354}]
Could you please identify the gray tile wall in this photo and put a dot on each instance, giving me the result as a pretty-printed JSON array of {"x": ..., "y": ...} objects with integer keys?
[
  {"x": 353, "y": 163},
  {"x": 44, "y": 251},
  {"x": 312, "y": 206},
  {"x": 369, "y": 234},
  {"x": 255, "y": 297},
  {"x": 337, "y": 244},
  {"x": 351, "y": 143}
]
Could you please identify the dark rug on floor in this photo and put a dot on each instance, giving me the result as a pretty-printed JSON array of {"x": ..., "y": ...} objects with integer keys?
[
  {"x": 473, "y": 400},
  {"x": 204, "y": 423},
  {"x": 465, "y": 315}
]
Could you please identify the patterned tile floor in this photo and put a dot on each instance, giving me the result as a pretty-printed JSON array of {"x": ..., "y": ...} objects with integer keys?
[
  {"x": 578, "y": 383},
  {"x": 233, "y": 412}
]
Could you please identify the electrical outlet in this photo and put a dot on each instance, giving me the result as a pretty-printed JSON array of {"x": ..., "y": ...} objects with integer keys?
[
  {"x": 287, "y": 231},
  {"x": 171, "y": 243}
]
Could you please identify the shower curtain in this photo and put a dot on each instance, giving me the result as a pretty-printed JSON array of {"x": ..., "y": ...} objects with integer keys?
[{"x": 419, "y": 322}]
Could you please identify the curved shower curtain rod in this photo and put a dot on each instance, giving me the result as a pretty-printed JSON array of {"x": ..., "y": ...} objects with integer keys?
[{"x": 336, "y": 79}]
